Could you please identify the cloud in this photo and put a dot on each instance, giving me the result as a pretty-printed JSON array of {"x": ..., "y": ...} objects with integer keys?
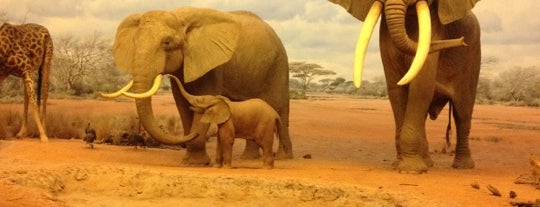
[
  {"x": 491, "y": 21},
  {"x": 312, "y": 30}
]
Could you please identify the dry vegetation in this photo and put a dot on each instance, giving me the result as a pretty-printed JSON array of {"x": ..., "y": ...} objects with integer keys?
[{"x": 66, "y": 124}]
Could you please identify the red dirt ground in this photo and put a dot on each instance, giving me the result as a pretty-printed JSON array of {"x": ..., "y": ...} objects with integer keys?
[{"x": 350, "y": 141}]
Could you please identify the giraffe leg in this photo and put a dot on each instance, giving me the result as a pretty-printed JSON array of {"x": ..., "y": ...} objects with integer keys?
[
  {"x": 28, "y": 84},
  {"x": 23, "y": 132}
]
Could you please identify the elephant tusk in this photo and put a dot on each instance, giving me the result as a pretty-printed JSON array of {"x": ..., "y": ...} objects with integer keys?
[
  {"x": 117, "y": 93},
  {"x": 424, "y": 41},
  {"x": 152, "y": 91},
  {"x": 363, "y": 41}
]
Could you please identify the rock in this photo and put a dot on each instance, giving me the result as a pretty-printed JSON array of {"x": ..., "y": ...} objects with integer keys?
[
  {"x": 494, "y": 191},
  {"x": 475, "y": 185}
]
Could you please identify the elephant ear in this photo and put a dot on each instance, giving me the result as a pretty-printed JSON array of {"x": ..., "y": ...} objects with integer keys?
[
  {"x": 452, "y": 10},
  {"x": 124, "y": 44},
  {"x": 217, "y": 113},
  {"x": 211, "y": 39},
  {"x": 357, "y": 8}
]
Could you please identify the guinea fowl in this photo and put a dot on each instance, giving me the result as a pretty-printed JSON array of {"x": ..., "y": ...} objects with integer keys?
[{"x": 90, "y": 136}]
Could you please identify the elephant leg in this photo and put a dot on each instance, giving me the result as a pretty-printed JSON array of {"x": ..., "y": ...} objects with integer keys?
[
  {"x": 251, "y": 151},
  {"x": 266, "y": 142},
  {"x": 398, "y": 101},
  {"x": 196, "y": 154},
  {"x": 285, "y": 145},
  {"x": 412, "y": 138},
  {"x": 462, "y": 117},
  {"x": 23, "y": 132},
  {"x": 226, "y": 140},
  {"x": 219, "y": 154}
]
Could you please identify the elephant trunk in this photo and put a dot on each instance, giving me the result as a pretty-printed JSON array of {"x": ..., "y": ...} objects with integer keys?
[
  {"x": 395, "y": 16},
  {"x": 146, "y": 114},
  {"x": 190, "y": 98},
  {"x": 395, "y": 11}
]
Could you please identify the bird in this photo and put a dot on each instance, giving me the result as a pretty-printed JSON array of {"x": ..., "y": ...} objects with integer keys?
[
  {"x": 90, "y": 136},
  {"x": 135, "y": 139}
]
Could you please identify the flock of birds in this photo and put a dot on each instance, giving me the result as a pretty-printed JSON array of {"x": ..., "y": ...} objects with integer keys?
[{"x": 132, "y": 139}]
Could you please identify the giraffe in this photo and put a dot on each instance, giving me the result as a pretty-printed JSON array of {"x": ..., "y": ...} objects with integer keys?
[{"x": 25, "y": 49}]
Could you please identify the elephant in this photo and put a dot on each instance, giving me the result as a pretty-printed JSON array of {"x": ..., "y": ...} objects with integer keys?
[
  {"x": 440, "y": 40},
  {"x": 25, "y": 49},
  {"x": 251, "y": 119},
  {"x": 233, "y": 54}
]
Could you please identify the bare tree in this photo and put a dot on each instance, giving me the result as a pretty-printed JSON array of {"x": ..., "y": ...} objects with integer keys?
[
  {"x": 81, "y": 65},
  {"x": 517, "y": 84}
]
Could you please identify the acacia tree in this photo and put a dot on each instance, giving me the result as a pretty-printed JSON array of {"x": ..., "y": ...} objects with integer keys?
[{"x": 307, "y": 72}]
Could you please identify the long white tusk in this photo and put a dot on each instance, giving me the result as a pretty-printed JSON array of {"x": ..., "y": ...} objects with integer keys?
[
  {"x": 117, "y": 93},
  {"x": 424, "y": 41},
  {"x": 363, "y": 41},
  {"x": 152, "y": 91}
]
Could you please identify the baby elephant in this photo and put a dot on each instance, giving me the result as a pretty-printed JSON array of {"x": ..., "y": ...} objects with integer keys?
[{"x": 253, "y": 119}]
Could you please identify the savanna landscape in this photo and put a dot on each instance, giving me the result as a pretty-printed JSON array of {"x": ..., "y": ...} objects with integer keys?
[
  {"x": 343, "y": 150},
  {"x": 83, "y": 151}
]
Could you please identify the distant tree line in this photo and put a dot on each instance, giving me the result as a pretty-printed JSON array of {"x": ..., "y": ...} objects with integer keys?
[
  {"x": 303, "y": 74},
  {"x": 515, "y": 86}
]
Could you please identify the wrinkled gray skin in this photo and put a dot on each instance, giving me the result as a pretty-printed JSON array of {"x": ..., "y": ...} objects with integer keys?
[
  {"x": 234, "y": 54},
  {"x": 447, "y": 76}
]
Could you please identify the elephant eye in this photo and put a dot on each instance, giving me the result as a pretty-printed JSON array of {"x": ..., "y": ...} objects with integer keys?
[{"x": 168, "y": 43}]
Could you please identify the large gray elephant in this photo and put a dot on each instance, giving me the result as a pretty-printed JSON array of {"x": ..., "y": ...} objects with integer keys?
[
  {"x": 234, "y": 54},
  {"x": 440, "y": 40}
]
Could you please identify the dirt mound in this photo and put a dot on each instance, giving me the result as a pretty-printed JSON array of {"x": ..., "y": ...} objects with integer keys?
[{"x": 103, "y": 186}]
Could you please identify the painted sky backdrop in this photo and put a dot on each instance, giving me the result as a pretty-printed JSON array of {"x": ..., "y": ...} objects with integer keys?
[{"x": 314, "y": 31}]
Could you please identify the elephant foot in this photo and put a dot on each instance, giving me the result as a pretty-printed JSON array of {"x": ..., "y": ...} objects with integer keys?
[
  {"x": 283, "y": 155},
  {"x": 429, "y": 162},
  {"x": 268, "y": 167},
  {"x": 196, "y": 159},
  {"x": 463, "y": 163},
  {"x": 412, "y": 165},
  {"x": 251, "y": 152},
  {"x": 250, "y": 155}
]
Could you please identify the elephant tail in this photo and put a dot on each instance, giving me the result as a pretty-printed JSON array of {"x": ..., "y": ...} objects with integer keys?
[
  {"x": 449, "y": 126},
  {"x": 279, "y": 128}
]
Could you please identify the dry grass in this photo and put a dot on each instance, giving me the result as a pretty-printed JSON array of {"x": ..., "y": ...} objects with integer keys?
[{"x": 71, "y": 125}]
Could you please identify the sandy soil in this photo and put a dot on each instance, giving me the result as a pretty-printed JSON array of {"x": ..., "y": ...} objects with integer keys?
[{"x": 351, "y": 146}]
